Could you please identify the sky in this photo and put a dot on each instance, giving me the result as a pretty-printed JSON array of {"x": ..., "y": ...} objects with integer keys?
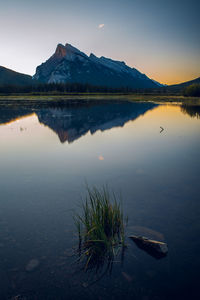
[{"x": 159, "y": 38}]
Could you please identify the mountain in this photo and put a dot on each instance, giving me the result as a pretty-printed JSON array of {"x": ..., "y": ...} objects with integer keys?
[
  {"x": 10, "y": 77},
  {"x": 69, "y": 64},
  {"x": 176, "y": 88}
]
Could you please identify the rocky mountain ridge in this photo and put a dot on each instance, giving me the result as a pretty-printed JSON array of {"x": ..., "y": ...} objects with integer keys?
[{"x": 68, "y": 64}]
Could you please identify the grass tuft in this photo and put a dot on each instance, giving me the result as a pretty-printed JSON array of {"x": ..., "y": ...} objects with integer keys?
[{"x": 100, "y": 227}]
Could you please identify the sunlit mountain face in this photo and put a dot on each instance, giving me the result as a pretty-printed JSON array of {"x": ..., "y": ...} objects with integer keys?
[
  {"x": 75, "y": 119},
  {"x": 70, "y": 65}
]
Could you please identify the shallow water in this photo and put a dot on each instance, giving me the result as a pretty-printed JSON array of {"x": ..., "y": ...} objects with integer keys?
[{"x": 47, "y": 154}]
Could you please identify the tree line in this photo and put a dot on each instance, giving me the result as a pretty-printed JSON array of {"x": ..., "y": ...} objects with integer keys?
[
  {"x": 67, "y": 88},
  {"x": 60, "y": 88},
  {"x": 192, "y": 90}
]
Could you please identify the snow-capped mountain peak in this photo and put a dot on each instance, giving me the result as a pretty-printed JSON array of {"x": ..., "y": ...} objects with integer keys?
[{"x": 69, "y": 64}]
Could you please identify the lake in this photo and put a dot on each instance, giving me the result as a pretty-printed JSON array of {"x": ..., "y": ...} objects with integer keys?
[{"x": 146, "y": 152}]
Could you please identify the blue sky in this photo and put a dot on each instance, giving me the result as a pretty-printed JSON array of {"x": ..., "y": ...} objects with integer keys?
[{"x": 160, "y": 38}]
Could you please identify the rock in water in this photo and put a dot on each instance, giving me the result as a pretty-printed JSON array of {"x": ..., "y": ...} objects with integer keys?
[
  {"x": 154, "y": 248},
  {"x": 32, "y": 265},
  {"x": 146, "y": 231}
]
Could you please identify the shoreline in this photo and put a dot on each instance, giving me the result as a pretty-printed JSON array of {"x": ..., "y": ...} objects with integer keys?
[{"x": 26, "y": 98}]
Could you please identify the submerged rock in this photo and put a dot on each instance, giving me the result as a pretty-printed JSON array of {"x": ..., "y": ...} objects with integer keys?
[
  {"x": 127, "y": 277},
  {"x": 154, "y": 248},
  {"x": 18, "y": 297},
  {"x": 146, "y": 231},
  {"x": 32, "y": 265}
]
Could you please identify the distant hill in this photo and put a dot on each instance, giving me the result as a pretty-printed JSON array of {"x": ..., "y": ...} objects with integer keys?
[
  {"x": 177, "y": 88},
  {"x": 70, "y": 65},
  {"x": 10, "y": 77}
]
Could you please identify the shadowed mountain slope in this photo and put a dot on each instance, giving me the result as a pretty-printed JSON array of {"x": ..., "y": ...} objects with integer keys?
[
  {"x": 180, "y": 87},
  {"x": 10, "y": 77},
  {"x": 70, "y": 65}
]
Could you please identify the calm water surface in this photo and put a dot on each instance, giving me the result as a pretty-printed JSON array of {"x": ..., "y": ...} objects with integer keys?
[{"x": 47, "y": 154}]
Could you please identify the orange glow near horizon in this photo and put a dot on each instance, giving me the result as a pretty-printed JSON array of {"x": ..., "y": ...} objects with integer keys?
[
  {"x": 172, "y": 79},
  {"x": 168, "y": 73}
]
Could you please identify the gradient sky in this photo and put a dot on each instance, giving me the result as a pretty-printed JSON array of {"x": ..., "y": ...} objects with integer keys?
[{"x": 158, "y": 37}]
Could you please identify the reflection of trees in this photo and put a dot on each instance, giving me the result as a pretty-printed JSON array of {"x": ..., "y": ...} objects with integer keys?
[{"x": 192, "y": 110}]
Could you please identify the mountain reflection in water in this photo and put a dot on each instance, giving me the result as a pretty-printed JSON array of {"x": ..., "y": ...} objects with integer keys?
[
  {"x": 42, "y": 185},
  {"x": 73, "y": 120}
]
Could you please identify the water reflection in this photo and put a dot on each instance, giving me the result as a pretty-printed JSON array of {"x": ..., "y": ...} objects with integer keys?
[
  {"x": 102, "y": 268},
  {"x": 192, "y": 110},
  {"x": 8, "y": 115},
  {"x": 73, "y": 120},
  {"x": 42, "y": 182}
]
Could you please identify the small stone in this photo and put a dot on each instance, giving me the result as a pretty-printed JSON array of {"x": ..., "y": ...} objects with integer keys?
[
  {"x": 154, "y": 248},
  {"x": 32, "y": 265},
  {"x": 127, "y": 277},
  {"x": 85, "y": 284},
  {"x": 151, "y": 273}
]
